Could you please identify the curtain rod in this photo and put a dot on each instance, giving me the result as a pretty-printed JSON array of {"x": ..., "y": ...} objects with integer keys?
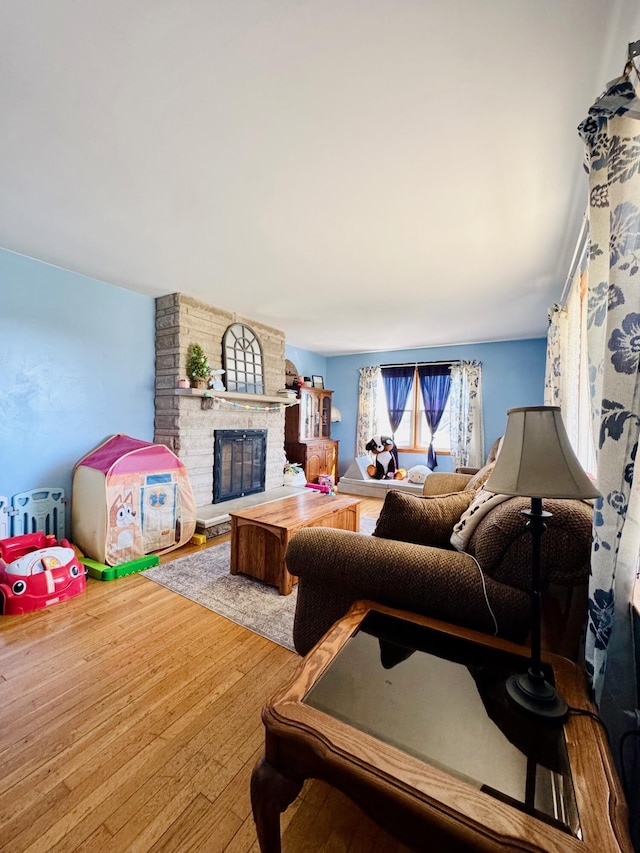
[
  {"x": 578, "y": 254},
  {"x": 420, "y": 363}
]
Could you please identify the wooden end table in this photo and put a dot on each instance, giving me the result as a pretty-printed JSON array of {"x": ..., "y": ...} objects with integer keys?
[
  {"x": 409, "y": 717},
  {"x": 260, "y": 534}
]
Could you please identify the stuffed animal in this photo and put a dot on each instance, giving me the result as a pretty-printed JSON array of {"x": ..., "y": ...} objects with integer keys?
[
  {"x": 215, "y": 380},
  {"x": 418, "y": 474},
  {"x": 384, "y": 449}
]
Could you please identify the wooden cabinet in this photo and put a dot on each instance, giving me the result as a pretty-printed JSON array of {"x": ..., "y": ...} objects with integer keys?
[
  {"x": 307, "y": 434},
  {"x": 321, "y": 457}
]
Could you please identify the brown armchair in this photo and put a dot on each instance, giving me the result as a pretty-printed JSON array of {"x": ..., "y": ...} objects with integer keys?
[
  {"x": 462, "y": 479},
  {"x": 409, "y": 564},
  {"x": 493, "y": 455}
]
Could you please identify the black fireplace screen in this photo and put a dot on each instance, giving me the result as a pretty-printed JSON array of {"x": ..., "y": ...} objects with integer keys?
[{"x": 239, "y": 457}]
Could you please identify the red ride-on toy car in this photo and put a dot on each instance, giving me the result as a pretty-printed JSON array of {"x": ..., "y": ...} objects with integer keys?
[{"x": 37, "y": 571}]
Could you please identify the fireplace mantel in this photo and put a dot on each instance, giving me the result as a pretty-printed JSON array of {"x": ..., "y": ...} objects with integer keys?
[{"x": 229, "y": 395}]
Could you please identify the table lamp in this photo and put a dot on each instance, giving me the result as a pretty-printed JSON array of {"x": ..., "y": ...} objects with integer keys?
[{"x": 537, "y": 461}]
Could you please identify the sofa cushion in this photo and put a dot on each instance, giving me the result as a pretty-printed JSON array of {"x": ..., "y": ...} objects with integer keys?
[
  {"x": 423, "y": 520},
  {"x": 502, "y": 543}
]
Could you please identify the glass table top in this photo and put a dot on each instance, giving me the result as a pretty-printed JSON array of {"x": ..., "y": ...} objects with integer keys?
[{"x": 442, "y": 699}]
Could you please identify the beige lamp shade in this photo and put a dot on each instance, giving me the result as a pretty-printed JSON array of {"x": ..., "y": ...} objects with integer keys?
[
  {"x": 336, "y": 415},
  {"x": 536, "y": 458}
]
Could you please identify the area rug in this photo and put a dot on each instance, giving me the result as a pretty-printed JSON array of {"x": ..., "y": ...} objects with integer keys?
[{"x": 204, "y": 578}]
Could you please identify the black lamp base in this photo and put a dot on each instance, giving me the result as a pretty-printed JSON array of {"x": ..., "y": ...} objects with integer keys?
[{"x": 533, "y": 693}]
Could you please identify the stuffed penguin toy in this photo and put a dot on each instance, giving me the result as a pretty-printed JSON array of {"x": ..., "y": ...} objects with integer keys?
[{"x": 385, "y": 465}]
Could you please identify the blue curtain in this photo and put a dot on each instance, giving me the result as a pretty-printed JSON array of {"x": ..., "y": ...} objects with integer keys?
[
  {"x": 435, "y": 384},
  {"x": 397, "y": 384}
]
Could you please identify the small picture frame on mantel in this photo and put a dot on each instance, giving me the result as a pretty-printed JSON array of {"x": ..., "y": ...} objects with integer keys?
[{"x": 317, "y": 381}]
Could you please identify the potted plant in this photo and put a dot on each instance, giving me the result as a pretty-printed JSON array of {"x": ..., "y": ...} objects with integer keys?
[{"x": 198, "y": 367}]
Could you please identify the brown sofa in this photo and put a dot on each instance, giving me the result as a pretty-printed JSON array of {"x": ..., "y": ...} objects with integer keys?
[{"x": 409, "y": 564}]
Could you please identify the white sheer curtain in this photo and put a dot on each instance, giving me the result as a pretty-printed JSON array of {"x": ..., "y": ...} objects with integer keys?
[
  {"x": 467, "y": 430},
  {"x": 567, "y": 370},
  {"x": 367, "y": 424}
]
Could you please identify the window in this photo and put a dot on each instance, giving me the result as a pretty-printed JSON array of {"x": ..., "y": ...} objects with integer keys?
[
  {"x": 242, "y": 360},
  {"x": 413, "y": 434}
]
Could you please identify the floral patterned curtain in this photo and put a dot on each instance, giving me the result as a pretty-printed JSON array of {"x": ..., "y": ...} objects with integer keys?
[
  {"x": 467, "y": 430},
  {"x": 611, "y": 133},
  {"x": 367, "y": 424},
  {"x": 553, "y": 370}
]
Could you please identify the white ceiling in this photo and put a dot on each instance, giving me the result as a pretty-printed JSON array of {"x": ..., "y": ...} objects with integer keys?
[{"x": 362, "y": 174}]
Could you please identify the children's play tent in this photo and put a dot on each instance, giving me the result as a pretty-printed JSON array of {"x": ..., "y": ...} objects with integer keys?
[{"x": 130, "y": 498}]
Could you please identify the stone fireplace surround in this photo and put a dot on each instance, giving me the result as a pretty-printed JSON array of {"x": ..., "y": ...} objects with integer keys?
[{"x": 184, "y": 420}]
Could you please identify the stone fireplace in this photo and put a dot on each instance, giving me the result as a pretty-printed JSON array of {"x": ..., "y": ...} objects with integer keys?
[{"x": 185, "y": 420}]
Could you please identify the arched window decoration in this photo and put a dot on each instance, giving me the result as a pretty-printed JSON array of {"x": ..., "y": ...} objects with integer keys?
[{"x": 242, "y": 360}]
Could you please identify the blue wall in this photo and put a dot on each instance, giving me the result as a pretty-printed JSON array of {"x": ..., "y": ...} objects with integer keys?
[
  {"x": 77, "y": 361},
  {"x": 307, "y": 363},
  {"x": 77, "y": 365},
  {"x": 512, "y": 375}
]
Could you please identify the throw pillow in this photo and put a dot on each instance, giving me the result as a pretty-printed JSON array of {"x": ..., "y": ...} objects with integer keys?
[
  {"x": 421, "y": 520},
  {"x": 480, "y": 478},
  {"x": 418, "y": 474}
]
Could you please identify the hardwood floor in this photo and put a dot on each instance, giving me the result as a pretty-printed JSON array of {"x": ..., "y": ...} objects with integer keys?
[{"x": 131, "y": 722}]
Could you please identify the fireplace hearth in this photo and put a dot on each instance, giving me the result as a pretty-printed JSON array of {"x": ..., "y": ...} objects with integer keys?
[{"x": 239, "y": 458}]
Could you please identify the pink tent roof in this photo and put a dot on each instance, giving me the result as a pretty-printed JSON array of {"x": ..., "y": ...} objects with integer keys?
[{"x": 130, "y": 454}]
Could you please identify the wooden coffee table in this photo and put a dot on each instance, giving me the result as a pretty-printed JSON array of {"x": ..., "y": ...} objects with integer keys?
[
  {"x": 260, "y": 534},
  {"x": 409, "y": 717}
]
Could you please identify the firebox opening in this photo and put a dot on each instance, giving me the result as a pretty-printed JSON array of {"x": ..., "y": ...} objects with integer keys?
[{"x": 239, "y": 461}]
